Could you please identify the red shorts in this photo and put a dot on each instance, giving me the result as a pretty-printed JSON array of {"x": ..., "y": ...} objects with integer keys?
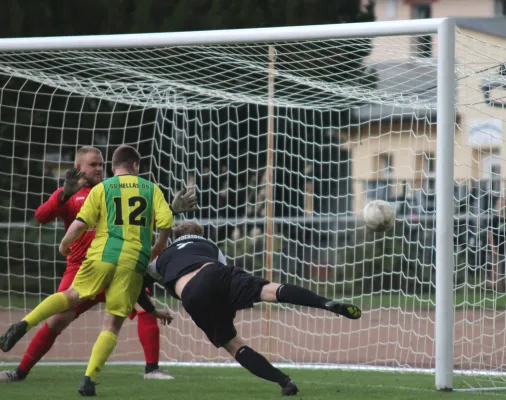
[{"x": 66, "y": 282}]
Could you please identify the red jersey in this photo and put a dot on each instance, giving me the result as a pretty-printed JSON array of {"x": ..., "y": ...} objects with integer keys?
[{"x": 67, "y": 210}]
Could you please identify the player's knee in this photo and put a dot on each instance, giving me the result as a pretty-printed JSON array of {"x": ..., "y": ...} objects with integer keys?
[
  {"x": 269, "y": 292},
  {"x": 58, "y": 322},
  {"x": 113, "y": 323},
  {"x": 233, "y": 345},
  {"x": 72, "y": 296}
]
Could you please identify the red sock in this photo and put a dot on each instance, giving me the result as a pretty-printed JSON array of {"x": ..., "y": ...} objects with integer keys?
[
  {"x": 38, "y": 347},
  {"x": 149, "y": 335}
]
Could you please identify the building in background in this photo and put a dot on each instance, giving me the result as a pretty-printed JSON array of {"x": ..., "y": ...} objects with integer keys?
[{"x": 393, "y": 148}]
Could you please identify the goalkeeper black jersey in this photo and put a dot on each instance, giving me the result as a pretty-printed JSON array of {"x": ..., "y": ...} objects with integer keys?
[{"x": 186, "y": 254}]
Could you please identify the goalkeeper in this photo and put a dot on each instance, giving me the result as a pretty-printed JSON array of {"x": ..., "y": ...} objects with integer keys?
[
  {"x": 123, "y": 210},
  {"x": 66, "y": 203},
  {"x": 194, "y": 270}
]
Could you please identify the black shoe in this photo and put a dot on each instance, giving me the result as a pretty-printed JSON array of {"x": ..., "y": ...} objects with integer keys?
[
  {"x": 346, "y": 310},
  {"x": 87, "y": 387},
  {"x": 13, "y": 335},
  {"x": 289, "y": 388}
]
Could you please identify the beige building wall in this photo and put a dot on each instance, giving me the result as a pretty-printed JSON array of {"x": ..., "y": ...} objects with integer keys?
[
  {"x": 389, "y": 10},
  {"x": 475, "y": 52},
  {"x": 401, "y": 47},
  {"x": 408, "y": 145}
]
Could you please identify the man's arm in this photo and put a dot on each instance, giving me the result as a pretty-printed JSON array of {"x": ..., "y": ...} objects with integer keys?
[
  {"x": 162, "y": 213},
  {"x": 90, "y": 211},
  {"x": 76, "y": 229},
  {"x": 52, "y": 208},
  {"x": 161, "y": 243},
  {"x": 86, "y": 218},
  {"x": 145, "y": 302}
]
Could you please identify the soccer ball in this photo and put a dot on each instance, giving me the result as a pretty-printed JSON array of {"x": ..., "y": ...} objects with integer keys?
[{"x": 379, "y": 216}]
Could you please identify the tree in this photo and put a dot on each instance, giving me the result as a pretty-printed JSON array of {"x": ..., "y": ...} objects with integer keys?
[
  {"x": 36, "y": 119},
  {"x": 60, "y": 17}
]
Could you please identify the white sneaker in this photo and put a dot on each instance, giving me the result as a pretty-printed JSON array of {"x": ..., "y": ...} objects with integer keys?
[
  {"x": 9, "y": 376},
  {"x": 158, "y": 374}
]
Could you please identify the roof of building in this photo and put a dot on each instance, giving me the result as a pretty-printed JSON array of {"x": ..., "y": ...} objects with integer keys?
[
  {"x": 416, "y": 80},
  {"x": 410, "y": 88},
  {"x": 493, "y": 26}
]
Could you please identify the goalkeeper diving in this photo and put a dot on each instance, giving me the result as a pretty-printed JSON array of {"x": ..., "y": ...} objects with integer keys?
[{"x": 194, "y": 270}]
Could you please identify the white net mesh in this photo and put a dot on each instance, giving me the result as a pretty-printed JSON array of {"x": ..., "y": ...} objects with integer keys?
[
  {"x": 344, "y": 133},
  {"x": 480, "y": 298}
]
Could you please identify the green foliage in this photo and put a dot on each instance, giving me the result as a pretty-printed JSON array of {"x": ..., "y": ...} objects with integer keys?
[
  {"x": 375, "y": 263},
  {"x": 387, "y": 264},
  {"x": 30, "y": 259},
  {"x": 61, "y": 17},
  {"x": 248, "y": 253},
  {"x": 37, "y": 120}
]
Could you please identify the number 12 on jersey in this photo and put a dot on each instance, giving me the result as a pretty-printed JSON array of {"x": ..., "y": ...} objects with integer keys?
[{"x": 138, "y": 205}]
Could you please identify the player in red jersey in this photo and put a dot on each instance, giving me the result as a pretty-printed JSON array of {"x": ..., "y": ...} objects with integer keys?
[{"x": 66, "y": 203}]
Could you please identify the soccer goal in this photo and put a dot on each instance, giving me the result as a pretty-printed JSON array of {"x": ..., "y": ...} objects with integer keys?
[{"x": 286, "y": 133}]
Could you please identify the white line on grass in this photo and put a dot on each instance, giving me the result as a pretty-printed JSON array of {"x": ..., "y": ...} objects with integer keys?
[{"x": 307, "y": 382}]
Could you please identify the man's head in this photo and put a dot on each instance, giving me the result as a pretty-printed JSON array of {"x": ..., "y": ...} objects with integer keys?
[
  {"x": 187, "y": 228},
  {"x": 126, "y": 158},
  {"x": 91, "y": 162}
]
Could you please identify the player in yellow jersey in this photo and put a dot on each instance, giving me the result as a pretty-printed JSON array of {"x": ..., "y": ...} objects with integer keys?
[{"x": 123, "y": 210}]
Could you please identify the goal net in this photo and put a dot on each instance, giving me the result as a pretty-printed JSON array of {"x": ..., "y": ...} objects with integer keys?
[{"x": 285, "y": 141}]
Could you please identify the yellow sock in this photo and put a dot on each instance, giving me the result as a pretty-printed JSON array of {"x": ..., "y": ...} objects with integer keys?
[
  {"x": 104, "y": 346},
  {"x": 50, "y": 306}
]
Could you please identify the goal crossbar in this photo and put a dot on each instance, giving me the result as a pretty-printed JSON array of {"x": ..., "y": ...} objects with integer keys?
[{"x": 229, "y": 36}]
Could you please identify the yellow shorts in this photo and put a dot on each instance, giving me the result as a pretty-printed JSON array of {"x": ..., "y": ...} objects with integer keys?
[{"x": 123, "y": 285}]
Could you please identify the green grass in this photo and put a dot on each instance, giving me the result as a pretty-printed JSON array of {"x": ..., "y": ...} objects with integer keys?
[
  {"x": 120, "y": 382},
  {"x": 488, "y": 300}
]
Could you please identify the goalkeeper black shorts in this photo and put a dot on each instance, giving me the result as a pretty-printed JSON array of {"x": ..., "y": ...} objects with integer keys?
[{"x": 214, "y": 295}]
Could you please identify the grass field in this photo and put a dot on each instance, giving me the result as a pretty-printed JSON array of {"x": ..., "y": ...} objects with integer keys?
[{"x": 126, "y": 382}]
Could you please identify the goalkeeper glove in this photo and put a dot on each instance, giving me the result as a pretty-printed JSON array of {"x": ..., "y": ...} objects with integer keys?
[
  {"x": 72, "y": 185},
  {"x": 185, "y": 201}
]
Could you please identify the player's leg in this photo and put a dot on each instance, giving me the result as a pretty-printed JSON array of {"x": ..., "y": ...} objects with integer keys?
[
  {"x": 122, "y": 294},
  {"x": 293, "y": 294},
  {"x": 91, "y": 278},
  {"x": 45, "y": 337},
  {"x": 148, "y": 331},
  {"x": 258, "y": 365},
  {"x": 246, "y": 289},
  {"x": 206, "y": 298},
  {"x": 52, "y": 305},
  {"x": 40, "y": 344},
  {"x": 102, "y": 350}
]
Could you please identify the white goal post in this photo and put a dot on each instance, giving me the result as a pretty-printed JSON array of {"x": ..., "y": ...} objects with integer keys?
[{"x": 117, "y": 86}]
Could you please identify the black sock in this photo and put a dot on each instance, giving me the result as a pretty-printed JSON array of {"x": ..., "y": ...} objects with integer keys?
[
  {"x": 258, "y": 365},
  {"x": 151, "y": 367},
  {"x": 21, "y": 374},
  {"x": 294, "y": 294}
]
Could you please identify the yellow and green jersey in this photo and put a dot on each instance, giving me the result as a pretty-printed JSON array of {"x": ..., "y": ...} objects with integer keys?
[{"x": 123, "y": 210}]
